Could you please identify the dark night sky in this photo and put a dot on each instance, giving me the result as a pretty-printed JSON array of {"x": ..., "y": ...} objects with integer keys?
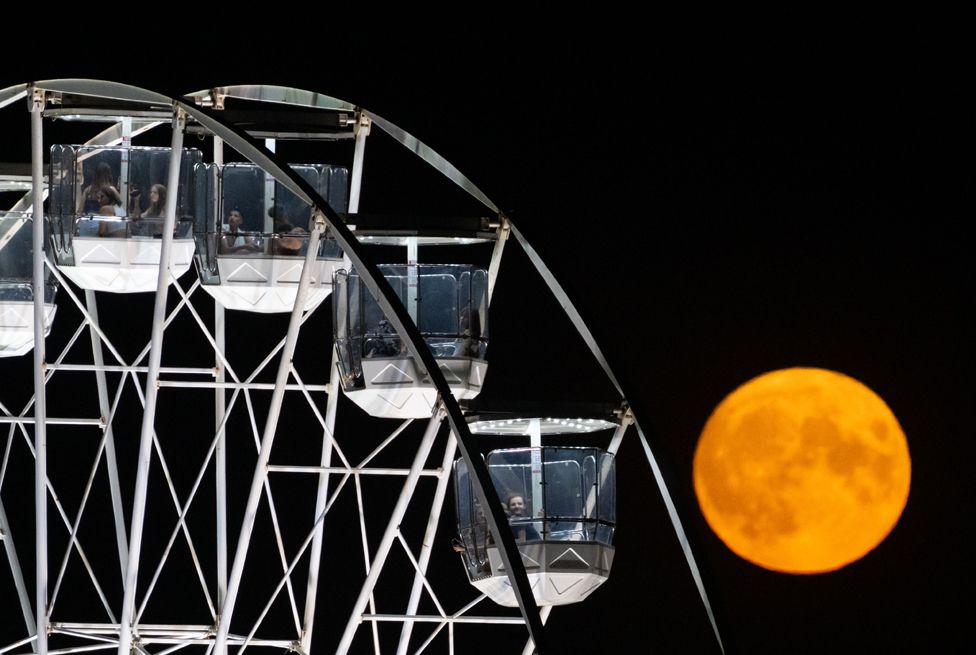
[{"x": 714, "y": 216}]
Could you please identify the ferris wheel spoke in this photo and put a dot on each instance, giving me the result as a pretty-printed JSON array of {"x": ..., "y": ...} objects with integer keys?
[
  {"x": 362, "y": 535},
  {"x": 111, "y": 462},
  {"x": 16, "y": 572}
]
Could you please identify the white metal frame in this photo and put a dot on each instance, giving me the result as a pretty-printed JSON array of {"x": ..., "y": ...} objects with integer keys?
[{"x": 128, "y": 631}]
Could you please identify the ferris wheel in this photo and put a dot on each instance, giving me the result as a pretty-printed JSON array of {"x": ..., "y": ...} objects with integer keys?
[{"x": 255, "y": 450}]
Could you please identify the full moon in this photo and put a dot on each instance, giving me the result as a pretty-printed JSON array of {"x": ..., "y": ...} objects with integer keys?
[{"x": 802, "y": 470}]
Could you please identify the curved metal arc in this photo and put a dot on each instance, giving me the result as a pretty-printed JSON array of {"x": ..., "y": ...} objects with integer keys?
[
  {"x": 105, "y": 89},
  {"x": 574, "y": 316},
  {"x": 12, "y": 94},
  {"x": 250, "y": 148},
  {"x": 284, "y": 95},
  {"x": 398, "y": 316},
  {"x": 304, "y": 98}
]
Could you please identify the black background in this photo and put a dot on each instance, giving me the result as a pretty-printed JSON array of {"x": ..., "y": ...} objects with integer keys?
[{"x": 715, "y": 213}]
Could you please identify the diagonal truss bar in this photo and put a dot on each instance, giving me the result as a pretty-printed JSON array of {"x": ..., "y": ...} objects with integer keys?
[
  {"x": 49, "y": 485},
  {"x": 392, "y": 528},
  {"x": 73, "y": 542},
  {"x": 321, "y": 497},
  {"x": 7, "y": 541},
  {"x": 294, "y": 561},
  {"x": 279, "y": 542},
  {"x": 87, "y": 318},
  {"x": 174, "y": 496},
  {"x": 18, "y": 644},
  {"x": 386, "y": 442},
  {"x": 185, "y": 509},
  {"x": 184, "y": 299},
  {"x": 308, "y": 398},
  {"x": 6, "y": 449},
  {"x": 81, "y": 511},
  {"x": 421, "y": 573},
  {"x": 362, "y": 536},
  {"x": 111, "y": 463},
  {"x": 429, "y": 535}
]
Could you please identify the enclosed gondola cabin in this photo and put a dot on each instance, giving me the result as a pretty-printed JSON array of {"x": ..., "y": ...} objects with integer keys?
[
  {"x": 16, "y": 286},
  {"x": 449, "y": 303},
  {"x": 252, "y": 235},
  {"x": 106, "y": 212},
  {"x": 561, "y": 507}
]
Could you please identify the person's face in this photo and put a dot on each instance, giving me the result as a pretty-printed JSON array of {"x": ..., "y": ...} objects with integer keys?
[
  {"x": 516, "y": 505},
  {"x": 101, "y": 197},
  {"x": 154, "y": 196},
  {"x": 235, "y": 220}
]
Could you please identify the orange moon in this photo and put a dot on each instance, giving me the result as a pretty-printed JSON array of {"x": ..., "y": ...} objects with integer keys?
[{"x": 802, "y": 470}]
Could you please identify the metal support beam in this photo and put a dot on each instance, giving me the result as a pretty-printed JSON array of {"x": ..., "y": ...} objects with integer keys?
[
  {"x": 220, "y": 408},
  {"x": 618, "y": 434},
  {"x": 40, "y": 399},
  {"x": 7, "y": 540},
  {"x": 356, "y": 183},
  {"x": 496, "y": 255},
  {"x": 321, "y": 497},
  {"x": 392, "y": 529},
  {"x": 111, "y": 463},
  {"x": 544, "y": 613},
  {"x": 149, "y": 413},
  {"x": 425, "y": 550},
  {"x": 226, "y": 612},
  {"x": 220, "y": 461}
]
